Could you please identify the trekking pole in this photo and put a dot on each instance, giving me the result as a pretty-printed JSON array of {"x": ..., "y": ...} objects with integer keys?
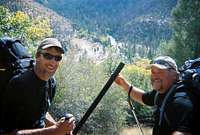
[
  {"x": 133, "y": 111},
  {"x": 98, "y": 98}
]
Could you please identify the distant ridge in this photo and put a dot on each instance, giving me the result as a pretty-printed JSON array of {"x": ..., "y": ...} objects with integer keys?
[{"x": 143, "y": 22}]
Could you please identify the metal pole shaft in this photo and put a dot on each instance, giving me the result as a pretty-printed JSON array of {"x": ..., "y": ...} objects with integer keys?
[{"x": 137, "y": 122}]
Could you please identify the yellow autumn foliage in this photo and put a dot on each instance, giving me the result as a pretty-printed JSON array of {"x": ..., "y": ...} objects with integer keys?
[
  {"x": 19, "y": 18},
  {"x": 39, "y": 28},
  {"x": 139, "y": 73},
  {"x": 140, "y": 67},
  {"x": 21, "y": 26}
]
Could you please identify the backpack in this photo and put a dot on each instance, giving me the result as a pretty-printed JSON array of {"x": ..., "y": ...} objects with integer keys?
[
  {"x": 189, "y": 79},
  {"x": 14, "y": 59}
]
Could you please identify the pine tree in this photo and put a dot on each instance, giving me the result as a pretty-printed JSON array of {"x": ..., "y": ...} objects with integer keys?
[{"x": 186, "y": 24}]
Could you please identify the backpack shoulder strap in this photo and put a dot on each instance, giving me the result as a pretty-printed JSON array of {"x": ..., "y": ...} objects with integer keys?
[
  {"x": 52, "y": 85},
  {"x": 166, "y": 99}
]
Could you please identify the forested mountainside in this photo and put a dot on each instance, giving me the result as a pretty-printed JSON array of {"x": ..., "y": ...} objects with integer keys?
[
  {"x": 139, "y": 25},
  {"x": 143, "y": 22}
]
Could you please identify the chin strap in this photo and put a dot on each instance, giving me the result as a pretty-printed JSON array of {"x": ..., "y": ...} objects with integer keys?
[{"x": 133, "y": 110}]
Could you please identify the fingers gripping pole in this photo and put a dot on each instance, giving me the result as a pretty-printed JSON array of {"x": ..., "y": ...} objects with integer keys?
[{"x": 98, "y": 98}]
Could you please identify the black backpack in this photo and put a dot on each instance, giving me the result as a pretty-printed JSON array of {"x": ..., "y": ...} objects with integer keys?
[
  {"x": 14, "y": 59},
  {"x": 189, "y": 79}
]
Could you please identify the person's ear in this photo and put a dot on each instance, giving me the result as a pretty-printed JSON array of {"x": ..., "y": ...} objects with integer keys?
[
  {"x": 175, "y": 75},
  {"x": 37, "y": 56}
]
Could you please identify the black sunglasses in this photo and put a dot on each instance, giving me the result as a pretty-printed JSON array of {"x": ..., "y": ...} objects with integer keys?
[{"x": 50, "y": 57}]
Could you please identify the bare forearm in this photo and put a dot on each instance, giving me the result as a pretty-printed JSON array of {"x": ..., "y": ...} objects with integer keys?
[
  {"x": 136, "y": 93},
  {"x": 43, "y": 131}
]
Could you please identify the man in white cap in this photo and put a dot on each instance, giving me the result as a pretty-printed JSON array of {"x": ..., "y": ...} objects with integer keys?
[
  {"x": 29, "y": 96},
  {"x": 172, "y": 117}
]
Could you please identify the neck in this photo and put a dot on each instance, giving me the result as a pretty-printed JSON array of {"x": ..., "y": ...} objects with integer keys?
[
  {"x": 168, "y": 88},
  {"x": 41, "y": 74}
]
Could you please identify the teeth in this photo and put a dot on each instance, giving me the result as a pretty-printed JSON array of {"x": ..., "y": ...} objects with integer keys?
[
  {"x": 156, "y": 81},
  {"x": 50, "y": 67}
]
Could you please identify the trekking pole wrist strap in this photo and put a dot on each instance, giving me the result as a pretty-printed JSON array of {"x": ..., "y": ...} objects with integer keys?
[{"x": 129, "y": 90}]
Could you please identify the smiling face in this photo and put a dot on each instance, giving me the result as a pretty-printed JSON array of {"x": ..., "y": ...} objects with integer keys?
[
  {"x": 47, "y": 61},
  {"x": 162, "y": 79}
]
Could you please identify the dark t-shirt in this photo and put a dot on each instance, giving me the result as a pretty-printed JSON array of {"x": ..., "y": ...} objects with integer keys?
[
  {"x": 26, "y": 101},
  {"x": 178, "y": 112}
]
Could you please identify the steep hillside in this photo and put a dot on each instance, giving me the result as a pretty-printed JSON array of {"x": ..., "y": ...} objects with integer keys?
[
  {"x": 145, "y": 22},
  {"x": 62, "y": 27}
]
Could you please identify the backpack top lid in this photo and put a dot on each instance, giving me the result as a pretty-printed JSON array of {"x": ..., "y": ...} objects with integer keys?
[
  {"x": 11, "y": 50},
  {"x": 191, "y": 64},
  {"x": 190, "y": 74}
]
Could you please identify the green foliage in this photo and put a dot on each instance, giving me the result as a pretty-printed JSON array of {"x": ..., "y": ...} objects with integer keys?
[
  {"x": 95, "y": 37},
  {"x": 166, "y": 48},
  {"x": 186, "y": 36},
  {"x": 78, "y": 85},
  {"x": 4, "y": 20},
  {"x": 111, "y": 61}
]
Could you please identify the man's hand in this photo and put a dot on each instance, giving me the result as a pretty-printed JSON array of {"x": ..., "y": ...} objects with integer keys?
[
  {"x": 65, "y": 126},
  {"x": 62, "y": 127},
  {"x": 136, "y": 93},
  {"x": 120, "y": 80}
]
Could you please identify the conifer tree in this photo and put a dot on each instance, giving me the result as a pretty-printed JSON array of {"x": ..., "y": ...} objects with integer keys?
[{"x": 186, "y": 25}]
